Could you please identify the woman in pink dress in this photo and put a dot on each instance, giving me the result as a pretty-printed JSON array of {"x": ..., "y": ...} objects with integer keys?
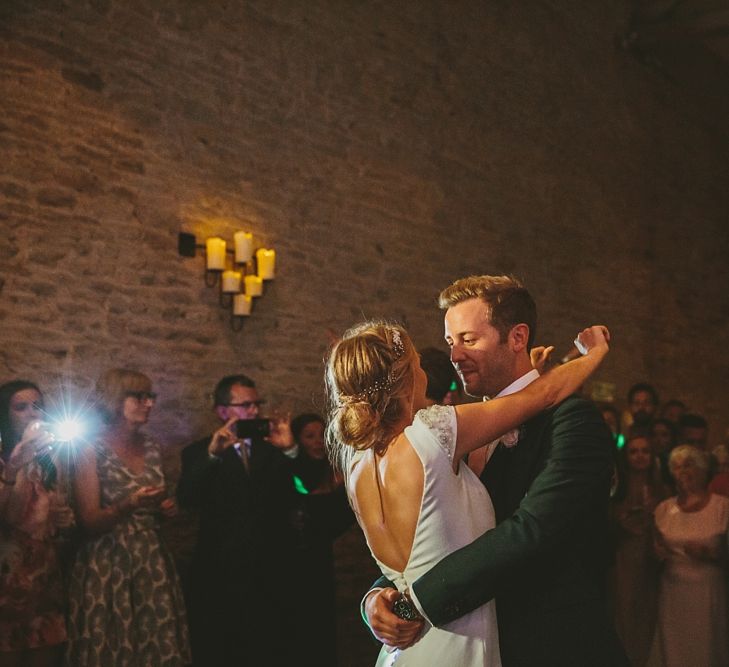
[{"x": 691, "y": 538}]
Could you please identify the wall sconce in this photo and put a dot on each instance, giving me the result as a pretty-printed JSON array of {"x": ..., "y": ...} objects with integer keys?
[{"x": 240, "y": 284}]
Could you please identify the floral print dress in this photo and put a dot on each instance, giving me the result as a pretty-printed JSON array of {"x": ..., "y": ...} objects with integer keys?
[
  {"x": 126, "y": 607},
  {"x": 31, "y": 587}
]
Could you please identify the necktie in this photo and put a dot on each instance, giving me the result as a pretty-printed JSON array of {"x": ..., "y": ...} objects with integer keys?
[{"x": 244, "y": 451}]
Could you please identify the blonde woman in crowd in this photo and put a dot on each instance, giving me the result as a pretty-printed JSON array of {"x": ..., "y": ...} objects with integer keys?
[{"x": 126, "y": 607}]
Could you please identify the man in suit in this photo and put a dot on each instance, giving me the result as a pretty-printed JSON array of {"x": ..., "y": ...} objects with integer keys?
[
  {"x": 545, "y": 560},
  {"x": 241, "y": 573}
]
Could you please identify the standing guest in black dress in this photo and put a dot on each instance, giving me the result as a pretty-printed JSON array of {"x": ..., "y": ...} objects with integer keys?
[{"x": 324, "y": 514}]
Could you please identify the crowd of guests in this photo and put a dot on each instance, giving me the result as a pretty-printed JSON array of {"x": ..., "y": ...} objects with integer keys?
[
  {"x": 670, "y": 518},
  {"x": 86, "y": 579}
]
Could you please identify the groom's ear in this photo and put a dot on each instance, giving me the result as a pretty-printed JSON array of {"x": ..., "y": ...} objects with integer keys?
[{"x": 519, "y": 337}]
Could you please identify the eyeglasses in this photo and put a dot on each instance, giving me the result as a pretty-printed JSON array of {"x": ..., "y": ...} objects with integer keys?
[
  {"x": 142, "y": 396},
  {"x": 246, "y": 405}
]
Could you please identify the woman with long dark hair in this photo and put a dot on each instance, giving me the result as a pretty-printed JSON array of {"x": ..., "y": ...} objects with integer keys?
[
  {"x": 635, "y": 574},
  {"x": 32, "y": 627}
]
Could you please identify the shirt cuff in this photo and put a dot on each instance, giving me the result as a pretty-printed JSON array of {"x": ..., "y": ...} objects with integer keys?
[{"x": 362, "y": 605}]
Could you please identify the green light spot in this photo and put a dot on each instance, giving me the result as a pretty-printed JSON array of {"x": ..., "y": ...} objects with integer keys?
[{"x": 299, "y": 486}]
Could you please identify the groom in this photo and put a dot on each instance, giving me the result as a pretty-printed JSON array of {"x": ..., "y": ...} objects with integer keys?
[{"x": 545, "y": 560}]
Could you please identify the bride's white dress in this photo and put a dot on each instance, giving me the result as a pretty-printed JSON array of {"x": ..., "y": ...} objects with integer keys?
[{"x": 455, "y": 509}]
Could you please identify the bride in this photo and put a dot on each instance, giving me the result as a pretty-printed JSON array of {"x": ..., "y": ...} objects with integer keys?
[{"x": 414, "y": 498}]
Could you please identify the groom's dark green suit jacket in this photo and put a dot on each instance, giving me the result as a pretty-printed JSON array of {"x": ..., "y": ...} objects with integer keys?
[{"x": 545, "y": 561}]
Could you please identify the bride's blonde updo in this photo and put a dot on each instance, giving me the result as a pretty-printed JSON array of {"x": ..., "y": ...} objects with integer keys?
[{"x": 369, "y": 372}]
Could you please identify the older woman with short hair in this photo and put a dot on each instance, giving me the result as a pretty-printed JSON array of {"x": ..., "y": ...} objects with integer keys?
[
  {"x": 691, "y": 538},
  {"x": 126, "y": 607}
]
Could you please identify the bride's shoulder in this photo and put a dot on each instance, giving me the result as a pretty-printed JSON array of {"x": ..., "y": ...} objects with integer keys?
[
  {"x": 440, "y": 422},
  {"x": 436, "y": 417}
]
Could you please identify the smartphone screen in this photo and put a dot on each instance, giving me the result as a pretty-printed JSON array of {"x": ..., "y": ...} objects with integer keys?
[{"x": 253, "y": 428}]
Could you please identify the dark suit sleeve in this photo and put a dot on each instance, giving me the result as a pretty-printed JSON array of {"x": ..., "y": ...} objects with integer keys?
[
  {"x": 197, "y": 475},
  {"x": 574, "y": 481}
]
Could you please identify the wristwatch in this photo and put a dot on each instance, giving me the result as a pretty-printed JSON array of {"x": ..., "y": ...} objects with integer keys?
[{"x": 404, "y": 608}]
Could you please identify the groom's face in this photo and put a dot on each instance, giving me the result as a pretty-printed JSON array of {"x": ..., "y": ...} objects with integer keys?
[{"x": 484, "y": 364}]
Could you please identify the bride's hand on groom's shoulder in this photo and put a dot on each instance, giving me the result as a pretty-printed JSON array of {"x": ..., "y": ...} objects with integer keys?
[{"x": 389, "y": 628}]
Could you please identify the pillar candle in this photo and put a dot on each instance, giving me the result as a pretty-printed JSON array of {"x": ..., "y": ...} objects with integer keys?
[
  {"x": 215, "y": 250},
  {"x": 243, "y": 247},
  {"x": 254, "y": 285},
  {"x": 242, "y": 305},
  {"x": 266, "y": 263},
  {"x": 231, "y": 282}
]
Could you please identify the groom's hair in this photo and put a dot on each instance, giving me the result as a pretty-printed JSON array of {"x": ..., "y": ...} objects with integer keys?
[{"x": 508, "y": 301}]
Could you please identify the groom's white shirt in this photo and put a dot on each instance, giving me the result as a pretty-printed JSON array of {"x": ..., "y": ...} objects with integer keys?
[{"x": 519, "y": 384}]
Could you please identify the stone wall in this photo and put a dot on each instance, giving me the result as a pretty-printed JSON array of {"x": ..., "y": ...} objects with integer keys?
[{"x": 383, "y": 149}]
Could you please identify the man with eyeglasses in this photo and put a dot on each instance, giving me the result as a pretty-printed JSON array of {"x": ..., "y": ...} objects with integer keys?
[{"x": 241, "y": 572}]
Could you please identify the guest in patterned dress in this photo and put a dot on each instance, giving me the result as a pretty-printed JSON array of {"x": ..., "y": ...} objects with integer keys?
[
  {"x": 32, "y": 627},
  {"x": 126, "y": 608}
]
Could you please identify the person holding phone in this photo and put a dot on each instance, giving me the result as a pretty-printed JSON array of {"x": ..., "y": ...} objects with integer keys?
[
  {"x": 240, "y": 479},
  {"x": 125, "y": 601},
  {"x": 32, "y": 513}
]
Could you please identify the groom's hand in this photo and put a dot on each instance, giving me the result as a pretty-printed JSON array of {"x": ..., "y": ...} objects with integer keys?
[{"x": 385, "y": 625}]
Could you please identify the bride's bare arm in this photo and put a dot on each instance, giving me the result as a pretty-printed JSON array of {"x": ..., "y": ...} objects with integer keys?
[{"x": 480, "y": 423}]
